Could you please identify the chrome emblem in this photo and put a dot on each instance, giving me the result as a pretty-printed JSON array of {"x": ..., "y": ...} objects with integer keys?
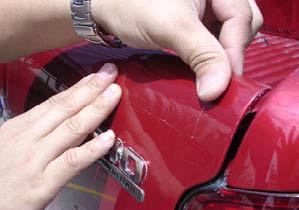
[
  {"x": 127, "y": 167},
  {"x": 122, "y": 163}
]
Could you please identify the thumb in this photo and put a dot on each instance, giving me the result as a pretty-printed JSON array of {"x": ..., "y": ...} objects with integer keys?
[{"x": 201, "y": 50}]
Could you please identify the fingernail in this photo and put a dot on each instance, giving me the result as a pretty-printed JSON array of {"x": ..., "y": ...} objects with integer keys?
[
  {"x": 108, "y": 138},
  {"x": 206, "y": 85},
  {"x": 107, "y": 70}
]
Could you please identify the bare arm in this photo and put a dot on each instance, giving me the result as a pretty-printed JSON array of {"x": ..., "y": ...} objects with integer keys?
[
  {"x": 50, "y": 156},
  {"x": 28, "y": 26}
]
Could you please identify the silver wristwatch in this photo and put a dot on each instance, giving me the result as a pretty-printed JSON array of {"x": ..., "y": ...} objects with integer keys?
[{"x": 86, "y": 27}]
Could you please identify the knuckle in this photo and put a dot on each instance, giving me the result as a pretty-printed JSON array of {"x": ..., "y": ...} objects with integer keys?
[
  {"x": 90, "y": 150},
  {"x": 203, "y": 57},
  {"x": 74, "y": 126},
  {"x": 29, "y": 117},
  {"x": 72, "y": 159},
  {"x": 53, "y": 100},
  {"x": 94, "y": 85},
  {"x": 249, "y": 15},
  {"x": 246, "y": 17},
  {"x": 100, "y": 108},
  {"x": 64, "y": 104}
]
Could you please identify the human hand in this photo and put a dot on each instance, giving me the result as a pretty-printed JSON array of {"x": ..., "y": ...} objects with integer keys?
[
  {"x": 40, "y": 150},
  {"x": 187, "y": 27}
]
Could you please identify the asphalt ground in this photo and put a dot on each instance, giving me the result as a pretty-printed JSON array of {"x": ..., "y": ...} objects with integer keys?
[{"x": 90, "y": 190}]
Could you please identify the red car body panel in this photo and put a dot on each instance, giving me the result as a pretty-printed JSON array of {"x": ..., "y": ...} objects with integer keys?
[
  {"x": 186, "y": 142},
  {"x": 159, "y": 116},
  {"x": 281, "y": 17},
  {"x": 268, "y": 158},
  {"x": 2, "y": 77},
  {"x": 270, "y": 59}
]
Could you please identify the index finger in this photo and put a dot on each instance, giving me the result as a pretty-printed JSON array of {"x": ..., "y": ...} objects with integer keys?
[
  {"x": 236, "y": 32},
  {"x": 24, "y": 120}
]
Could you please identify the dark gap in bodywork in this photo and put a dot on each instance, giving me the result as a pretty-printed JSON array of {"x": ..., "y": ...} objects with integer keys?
[
  {"x": 219, "y": 180},
  {"x": 47, "y": 82},
  {"x": 50, "y": 80},
  {"x": 237, "y": 140}
]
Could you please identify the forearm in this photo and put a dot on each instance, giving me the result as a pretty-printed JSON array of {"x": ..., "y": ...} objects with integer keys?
[{"x": 29, "y": 26}]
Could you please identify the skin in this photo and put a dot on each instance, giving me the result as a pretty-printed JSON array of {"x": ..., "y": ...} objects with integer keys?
[
  {"x": 39, "y": 162},
  {"x": 179, "y": 25},
  {"x": 51, "y": 155}
]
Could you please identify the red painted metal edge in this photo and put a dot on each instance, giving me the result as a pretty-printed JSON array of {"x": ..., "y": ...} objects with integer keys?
[{"x": 268, "y": 157}]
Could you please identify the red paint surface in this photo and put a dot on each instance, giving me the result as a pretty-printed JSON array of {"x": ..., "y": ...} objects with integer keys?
[
  {"x": 272, "y": 136},
  {"x": 184, "y": 141},
  {"x": 161, "y": 117},
  {"x": 270, "y": 59},
  {"x": 20, "y": 78},
  {"x": 2, "y": 78},
  {"x": 281, "y": 17},
  {"x": 268, "y": 158}
]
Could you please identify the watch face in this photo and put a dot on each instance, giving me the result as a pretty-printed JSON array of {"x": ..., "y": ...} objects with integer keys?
[{"x": 79, "y": 2}]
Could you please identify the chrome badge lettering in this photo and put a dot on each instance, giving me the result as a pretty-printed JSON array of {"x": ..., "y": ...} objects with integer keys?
[
  {"x": 127, "y": 167},
  {"x": 122, "y": 163}
]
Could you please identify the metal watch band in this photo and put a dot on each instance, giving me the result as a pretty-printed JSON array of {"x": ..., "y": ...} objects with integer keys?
[{"x": 84, "y": 23}]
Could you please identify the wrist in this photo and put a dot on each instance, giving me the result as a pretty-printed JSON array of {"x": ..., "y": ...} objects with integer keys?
[
  {"x": 84, "y": 15},
  {"x": 99, "y": 14}
]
